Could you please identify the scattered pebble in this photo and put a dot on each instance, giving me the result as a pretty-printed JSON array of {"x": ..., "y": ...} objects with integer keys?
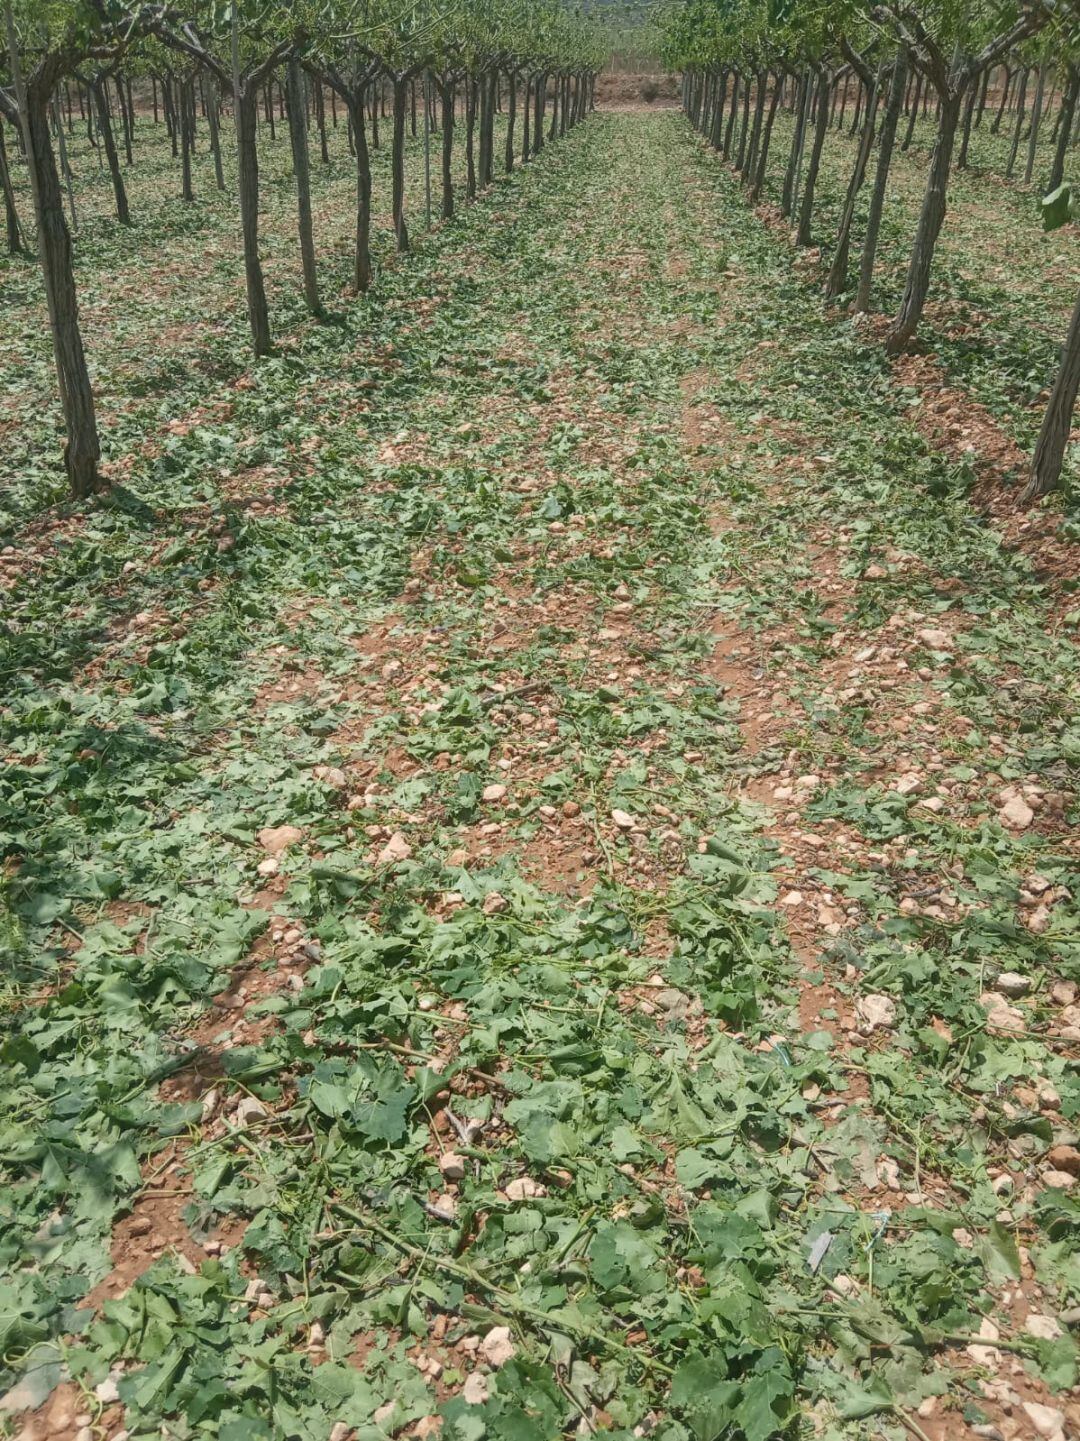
[
  {"x": 1016, "y": 814},
  {"x": 875, "y": 1013},
  {"x": 275, "y": 839},
  {"x": 475, "y": 1389},
  {"x": 1047, "y": 1420},
  {"x": 524, "y": 1188},
  {"x": 1011, "y": 983},
  {"x": 497, "y": 1347},
  {"x": 397, "y": 848},
  {"x": 250, "y": 1109}
]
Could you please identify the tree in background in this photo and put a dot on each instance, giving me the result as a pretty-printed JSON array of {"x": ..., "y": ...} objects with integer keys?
[
  {"x": 951, "y": 43},
  {"x": 1060, "y": 206},
  {"x": 238, "y": 50},
  {"x": 45, "y": 43},
  {"x": 240, "y": 46}
]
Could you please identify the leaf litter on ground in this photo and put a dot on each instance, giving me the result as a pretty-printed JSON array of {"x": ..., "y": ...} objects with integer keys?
[{"x": 586, "y": 691}]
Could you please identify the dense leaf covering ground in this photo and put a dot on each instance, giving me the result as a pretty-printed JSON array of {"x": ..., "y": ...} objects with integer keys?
[{"x": 672, "y": 762}]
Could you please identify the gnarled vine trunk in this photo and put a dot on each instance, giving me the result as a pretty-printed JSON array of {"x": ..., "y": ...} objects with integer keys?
[
  {"x": 511, "y": 117},
  {"x": 470, "y": 136},
  {"x": 1057, "y": 422},
  {"x": 1019, "y": 126},
  {"x": 486, "y": 121},
  {"x": 397, "y": 161},
  {"x": 214, "y": 126},
  {"x": 1065, "y": 124},
  {"x": 748, "y": 164},
  {"x": 247, "y": 157},
  {"x": 82, "y": 451},
  {"x": 837, "y": 280},
  {"x": 931, "y": 217},
  {"x": 446, "y": 97},
  {"x": 886, "y": 142},
  {"x": 766, "y": 139},
  {"x": 101, "y": 104},
  {"x": 1036, "y": 117},
  {"x": 298, "y": 140},
  {"x": 802, "y": 108},
  {"x": 362, "y": 248},
  {"x": 11, "y": 214},
  {"x": 186, "y": 100},
  {"x": 806, "y": 209},
  {"x": 729, "y": 128}
]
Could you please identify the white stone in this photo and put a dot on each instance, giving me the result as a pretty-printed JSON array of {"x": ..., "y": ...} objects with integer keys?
[
  {"x": 1016, "y": 813},
  {"x": 1044, "y": 1327},
  {"x": 249, "y": 1109},
  {"x": 1047, "y": 1420},
  {"x": 889, "y": 1173},
  {"x": 497, "y": 1347},
  {"x": 986, "y": 1355},
  {"x": 397, "y": 848},
  {"x": 623, "y": 820},
  {"x": 876, "y": 1013},
  {"x": 1038, "y": 920},
  {"x": 523, "y": 1188},
  {"x": 475, "y": 1390},
  {"x": 452, "y": 1166},
  {"x": 1059, "y": 1180},
  {"x": 1012, "y": 983},
  {"x": 1001, "y": 1017},
  {"x": 494, "y": 793},
  {"x": 275, "y": 839}
]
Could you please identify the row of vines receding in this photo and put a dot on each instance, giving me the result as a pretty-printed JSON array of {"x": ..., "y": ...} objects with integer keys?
[
  {"x": 876, "y": 68},
  {"x": 201, "y": 65}
]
